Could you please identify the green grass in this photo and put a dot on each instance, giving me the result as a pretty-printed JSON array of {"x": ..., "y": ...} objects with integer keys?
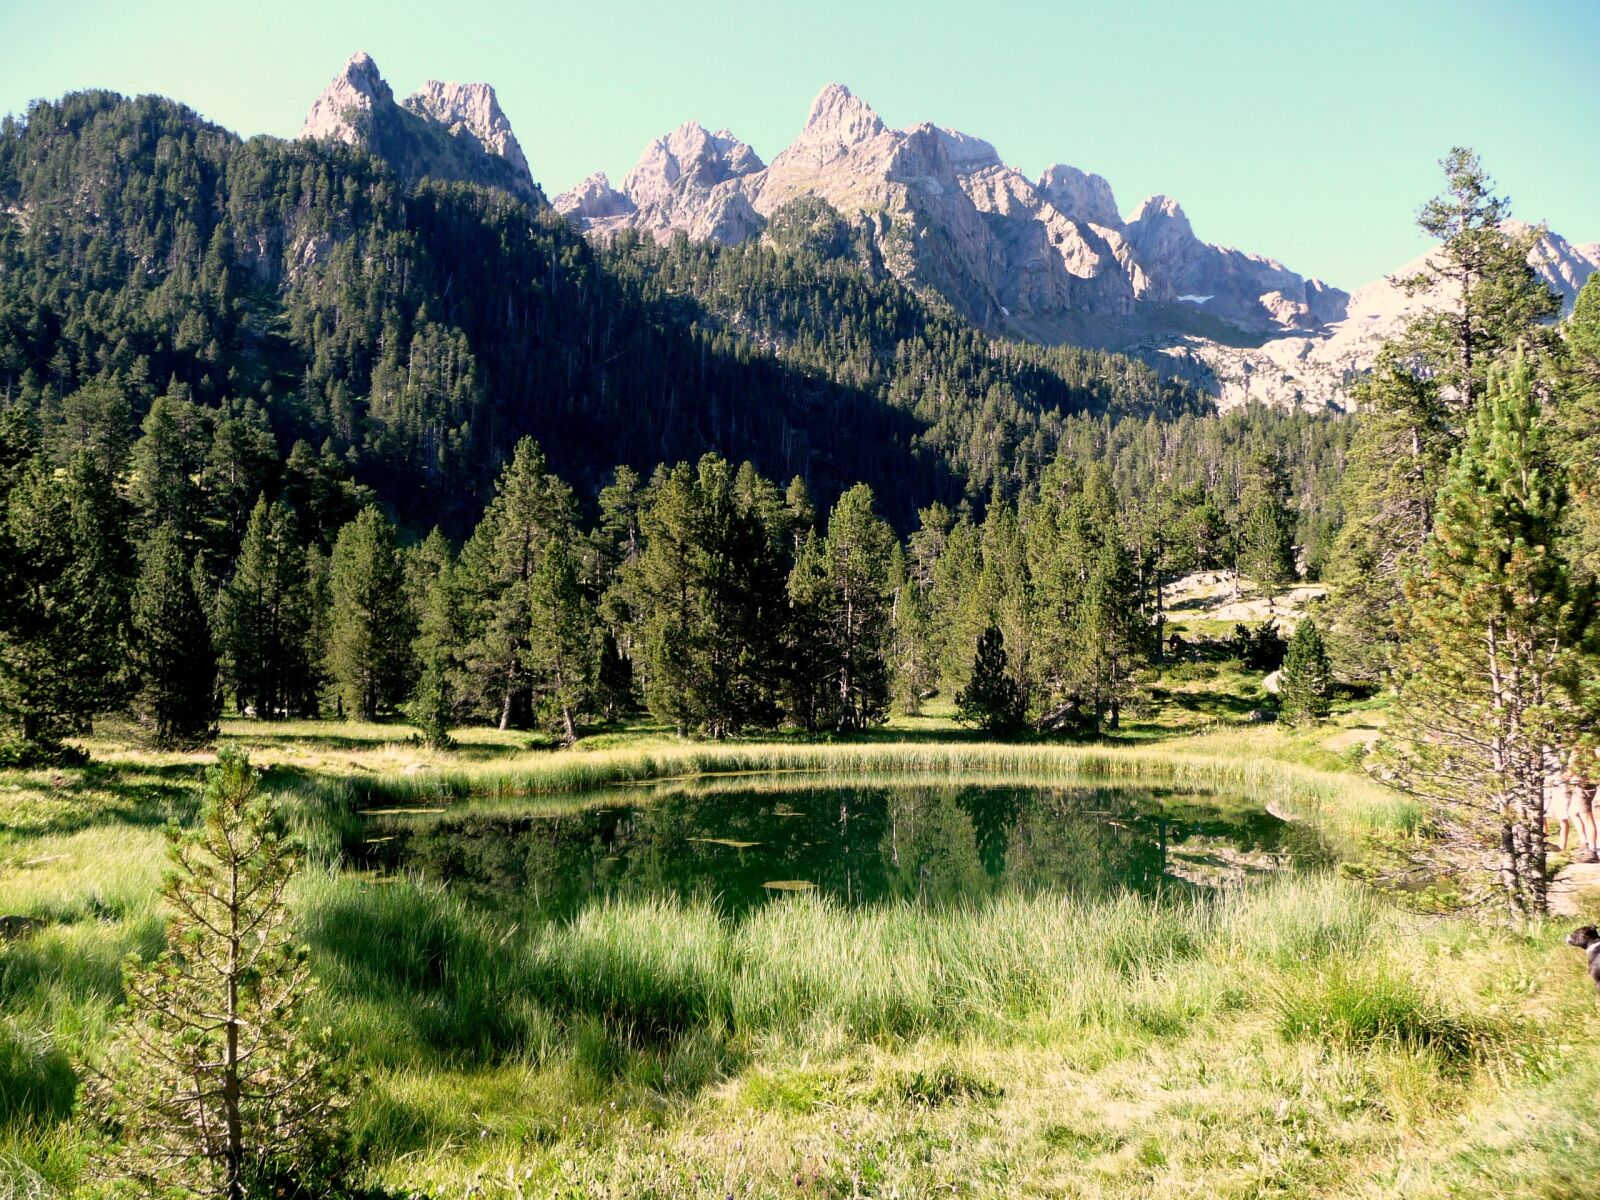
[{"x": 1304, "y": 1037}]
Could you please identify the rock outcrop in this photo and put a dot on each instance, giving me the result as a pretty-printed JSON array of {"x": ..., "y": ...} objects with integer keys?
[
  {"x": 344, "y": 110},
  {"x": 1322, "y": 370},
  {"x": 1051, "y": 260},
  {"x": 470, "y": 110},
  {"x": 453, "y": 131}
]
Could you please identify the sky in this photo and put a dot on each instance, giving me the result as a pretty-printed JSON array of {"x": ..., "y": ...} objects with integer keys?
[{"x": 1308, "y": 132}]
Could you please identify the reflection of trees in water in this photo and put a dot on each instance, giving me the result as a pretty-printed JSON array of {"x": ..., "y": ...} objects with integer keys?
[
  {"x": 930, "y": 845},
  {"x": 930, "y": 850}
]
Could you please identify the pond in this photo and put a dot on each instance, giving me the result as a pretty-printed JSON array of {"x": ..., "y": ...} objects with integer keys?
[{"x": 746, "y": 841}]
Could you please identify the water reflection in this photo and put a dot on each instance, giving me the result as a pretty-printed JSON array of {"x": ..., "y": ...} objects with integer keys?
[{"x": 741, "y": 844}]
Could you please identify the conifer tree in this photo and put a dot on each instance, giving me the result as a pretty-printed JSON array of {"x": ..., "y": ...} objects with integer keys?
[
  {"x": 913, "y": 672},
  {"x": 562, "y": 657},
  {"x": 265, "y": 614},
  {"x": 370, "y": 623},
  {"x": 530, "y": 507},
  {"x": 1579, "y": 409},
  {"x": 1305, "y": 686},
  {"x": 1484, "y": 301},
  {"x": 168, "y": 461},
  {"x": 991, "y": 699},
  {"x": 708, "y": 605},
  {"x": 841, "y": 587},
  {"x": 1491, "y": 629},
  {"x": 1265, "y": 553},
  {"x": 430, "y": 709},
  {"x": 64, "y": 568},
  {"x": 170, "y": 644},
  {"x": 214, "y": 1085}
]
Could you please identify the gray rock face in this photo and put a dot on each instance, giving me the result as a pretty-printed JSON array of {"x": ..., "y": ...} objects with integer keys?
[
  {"x": 453, "y": 131},
  {"x": 346, "y": 104},
  {"x": 1322, "y": 369},
  {"x": 593, "y": 200},
  {"x": 1052, "y": 261},
  {"x": 1080, "y": 196},
  {"x": 470, "y": 110}
]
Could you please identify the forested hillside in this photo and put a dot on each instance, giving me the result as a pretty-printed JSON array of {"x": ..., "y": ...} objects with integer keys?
[{"x": 410, "y": 337}]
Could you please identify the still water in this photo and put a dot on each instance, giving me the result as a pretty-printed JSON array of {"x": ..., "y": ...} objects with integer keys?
[{"x": 745, "y": 842}]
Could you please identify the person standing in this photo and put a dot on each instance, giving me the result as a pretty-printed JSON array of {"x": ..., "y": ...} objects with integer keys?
[{"x": 1580, "y": 781}]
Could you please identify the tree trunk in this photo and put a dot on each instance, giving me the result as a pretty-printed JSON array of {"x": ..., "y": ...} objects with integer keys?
[
  {"x": 505, "y": 710},
  {"x": 233, "y": 1159}
]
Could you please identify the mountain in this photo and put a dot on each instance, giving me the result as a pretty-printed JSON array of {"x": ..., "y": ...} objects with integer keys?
[
  {"x": 1322, "y": 370},
  {"x": 454, "y": 131},
  {"x": 1050, "y": 260},
  {"x": 377, "y": 296}
]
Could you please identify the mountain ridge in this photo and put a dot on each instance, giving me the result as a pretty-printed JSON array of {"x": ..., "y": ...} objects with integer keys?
[{"x": 1050, "y": 260}]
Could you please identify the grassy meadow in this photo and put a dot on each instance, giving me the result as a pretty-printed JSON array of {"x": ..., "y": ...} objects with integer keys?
[{"x": 1308, "y": 1036}]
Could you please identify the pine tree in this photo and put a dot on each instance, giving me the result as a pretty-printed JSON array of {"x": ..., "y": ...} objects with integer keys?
[
  {"x": 1265, "y": 553},
  {"x": 991, "y": 700},
  {"x": 530, "y": 507},
  {"x": 913, "y": 672},
  {"x": 1493, "y": 300},
  {"x": 171, "y": 648},
  {"x": 168, "y": 461},
  {"x": 562, "y": 657},
  {"x": 1305, "y": 686},
  {"x": 843, "y": 581},
  {"x": 64, "y": 570},
  {"x": 370, "y": 623},
  {"x": 265, "y": 614},
  {"x": 1579, "y": 395},
  {"x": 431, "y": 710},
  {"x": 707, "y": 600},
  {"x": 1484, "y": 301},
  {"x": 1491, "y": 628},
  {"x": 214, "y": 1085}
]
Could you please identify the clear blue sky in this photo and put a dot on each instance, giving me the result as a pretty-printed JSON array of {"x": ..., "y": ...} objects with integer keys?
[{"x": 1304, "y": 131}]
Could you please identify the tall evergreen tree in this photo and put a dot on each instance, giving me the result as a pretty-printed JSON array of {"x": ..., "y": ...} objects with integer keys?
[
  {"x": 1579, "y": 409},
  {"x": 1265, "y": 540},
  {"x": 64, "y": 568},
  {"x": 170, "y": 644},
  {"x": 370, "y": 624},
  {"x": 563, "y": 651},
  {"x": 264, "y": 616},
  {"x": 708, "y": 605},
  {"x": 841, "y": 587},
  {"x": 1485, "y": 300},
  {"x": 991, "y": 699},
  {"x": 530, "y": 507},
  {"x": 913, "y": 670},
  {"x": 1305, "y": 686},
  {"x": 1491, "y": 630}
]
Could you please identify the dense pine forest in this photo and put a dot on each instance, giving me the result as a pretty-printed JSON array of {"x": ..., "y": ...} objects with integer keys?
[{"x": 244, "y": 380}]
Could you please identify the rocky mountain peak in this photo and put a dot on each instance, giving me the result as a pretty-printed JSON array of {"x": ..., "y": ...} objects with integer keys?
[
  {"x": 470, "y": 110},
  {"x": 443, "y": 130},
  {"x": 1161, "y": 210},
  {"x": 350, "y": 97},
  {"x": 593, "y": 200},
  {"x": 1080, "y": 196},
  {"x": 968, "y": 153},
  {"x": 689, "y": 152},
  {"x": 837, "y": 114}
]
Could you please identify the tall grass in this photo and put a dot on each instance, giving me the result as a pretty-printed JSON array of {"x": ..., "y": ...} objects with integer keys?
[{"x": 408, "y": 966}]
